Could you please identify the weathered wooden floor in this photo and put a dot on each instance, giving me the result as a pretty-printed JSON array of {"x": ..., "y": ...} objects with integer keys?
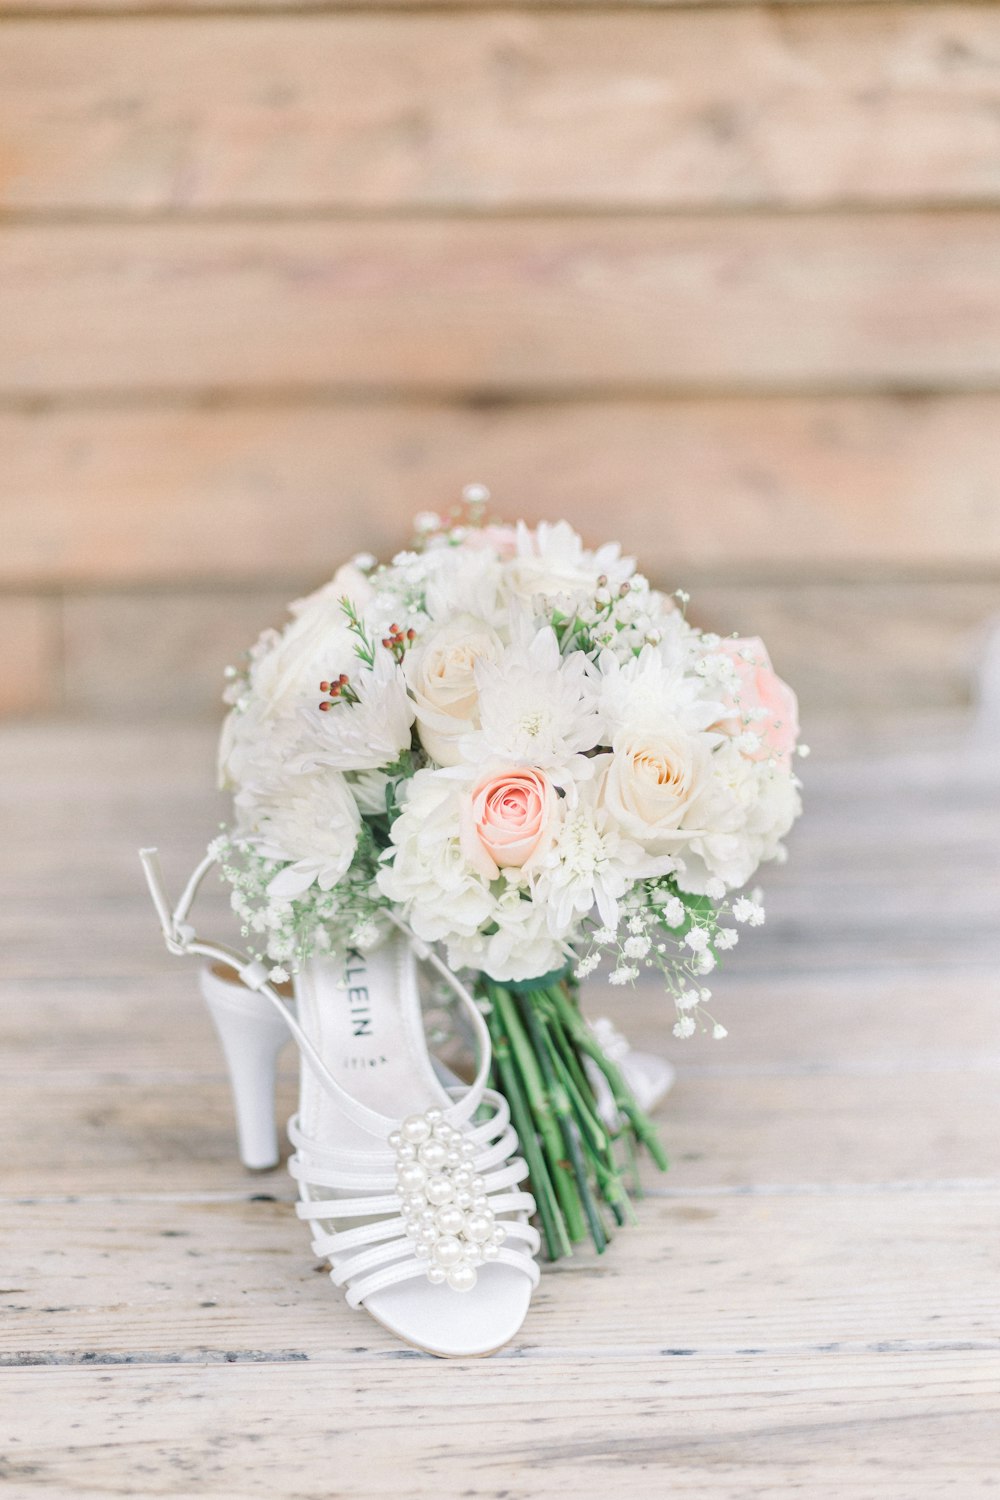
[{"x": 811, "y": 1303}]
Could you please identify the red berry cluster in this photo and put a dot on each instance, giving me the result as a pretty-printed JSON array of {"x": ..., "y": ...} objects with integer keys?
[
  {"x": 397, "y": 641},
  {"x": 339, "y": 689}
]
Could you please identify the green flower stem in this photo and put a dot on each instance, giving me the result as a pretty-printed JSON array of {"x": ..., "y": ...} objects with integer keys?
[
  {"x": 564, "y": 1115},
  {"x": 553, "y": 1231},
  {"x": 633, "y": 1165},
  {"x": 640, "y": 1122},
  {"x": 541, "y": 1110},
  {"x": 591, "y": 1128},
  {"x": 597, "y": 1145},
  {"x": 597, "y": 1139},
  {"x": 571, "y": 1058}
]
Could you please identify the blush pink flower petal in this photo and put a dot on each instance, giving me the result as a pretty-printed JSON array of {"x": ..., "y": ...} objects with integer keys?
[
  {"x": 760, "y": 687},
  {"x": 507, "y": 820}
]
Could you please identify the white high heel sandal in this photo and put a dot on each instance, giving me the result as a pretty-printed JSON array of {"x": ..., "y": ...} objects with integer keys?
[{"x": 412, "y": 1190}]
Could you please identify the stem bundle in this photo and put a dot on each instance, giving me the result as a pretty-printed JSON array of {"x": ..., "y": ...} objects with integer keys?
[{"x": 541, "y": 1049}]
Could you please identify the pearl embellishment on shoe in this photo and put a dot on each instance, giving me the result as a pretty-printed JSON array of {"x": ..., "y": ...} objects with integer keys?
[{"x": 449, "y": 1223}]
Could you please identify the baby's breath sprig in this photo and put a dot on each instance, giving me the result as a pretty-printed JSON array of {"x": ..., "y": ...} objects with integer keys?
[
  {"x": 678, "y": 935},
  {"x": 470, "y": 514},
  {"x": 284, "y": 934}
]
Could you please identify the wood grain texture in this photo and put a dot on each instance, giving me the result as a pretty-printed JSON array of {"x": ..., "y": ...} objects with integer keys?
[
  {"x": 197, "y": 1274},
  {"x": 73, "y": 1026},
  {"x": 693, "y": 108},
  {"x": 858, "y": 649},
  {"x": 909, "y": 645},
  {"x": 29, "y": 666},
  {"x": 739, "y": 487},
  {"x": 165, "y": 1134},
  {"x": 162, "y": 654},
  {"x": 878, "y": 1426},
  {"x": 808, "y": 1301},
  {"x": 757, "y": 304},
  {"x": 70, "y": 9}
]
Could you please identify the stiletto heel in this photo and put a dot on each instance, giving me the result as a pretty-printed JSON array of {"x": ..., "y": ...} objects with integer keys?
[{"x": 252, "y": 1035}]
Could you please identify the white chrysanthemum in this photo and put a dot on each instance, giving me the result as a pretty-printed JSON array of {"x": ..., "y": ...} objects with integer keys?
[
  {"x": 314, "y": 826},
  {"x": 369, "y": 789},
  {"x": 653, "y": 689},
  {"x": 253, "y": 745},
  {"x": 553, "y": 564},
  {"x": 536, "y": 707},
  {"x": 367, "y": 734},
  {"x": 592, "y": 864}
]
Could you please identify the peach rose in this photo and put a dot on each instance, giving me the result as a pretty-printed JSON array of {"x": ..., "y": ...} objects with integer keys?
[
  {"x": 507, "y": 820},
  {"x": 763, "y": 703}
]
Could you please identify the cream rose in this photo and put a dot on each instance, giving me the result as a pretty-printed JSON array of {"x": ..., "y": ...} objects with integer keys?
[
  {"x": 440, "y": 673},
  {"x": 652, "y": 781},
  {"x": 507, "y": 820}
]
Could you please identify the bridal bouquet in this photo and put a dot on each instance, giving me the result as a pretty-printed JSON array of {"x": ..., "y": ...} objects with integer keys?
[{"x": 534, "y": 759}]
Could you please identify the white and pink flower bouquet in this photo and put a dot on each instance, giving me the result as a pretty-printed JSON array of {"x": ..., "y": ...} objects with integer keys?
[{"x": 534, "y": 759}]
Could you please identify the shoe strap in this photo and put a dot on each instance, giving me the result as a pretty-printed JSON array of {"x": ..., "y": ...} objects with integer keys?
[
  {"x": 406, "y": 1270},
  {"x": 181, "y": 939},
  {"x": 494, "y": 1140}
]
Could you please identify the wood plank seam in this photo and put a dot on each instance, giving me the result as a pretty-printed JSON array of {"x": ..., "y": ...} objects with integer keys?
[
  {"x": 67, "y": 10},
  {"x": 516, "y": 211},
  {"x": 29, "y": 1359}
]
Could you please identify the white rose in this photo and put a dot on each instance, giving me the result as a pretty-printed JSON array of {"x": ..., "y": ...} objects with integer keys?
[
  {"x": 652, "y": 782},
  {"x": 440, "y": 673}
]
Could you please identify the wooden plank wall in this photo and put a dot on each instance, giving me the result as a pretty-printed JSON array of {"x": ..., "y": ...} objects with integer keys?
[{"x": 720, "y": 278}]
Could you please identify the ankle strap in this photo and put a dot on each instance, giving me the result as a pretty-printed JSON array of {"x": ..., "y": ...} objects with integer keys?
[{"x": 181, "y": 939}]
